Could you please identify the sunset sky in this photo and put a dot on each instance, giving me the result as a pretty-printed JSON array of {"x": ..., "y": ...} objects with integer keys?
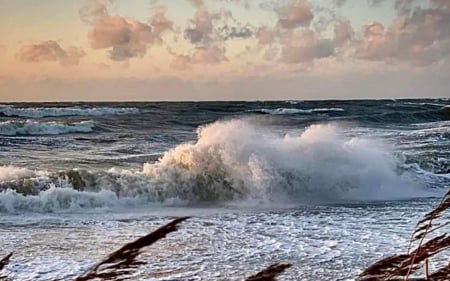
[{"x": 53, "y": 50}]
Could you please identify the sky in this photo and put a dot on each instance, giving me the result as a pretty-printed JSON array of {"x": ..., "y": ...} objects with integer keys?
[{"x": 149, "y": 50}]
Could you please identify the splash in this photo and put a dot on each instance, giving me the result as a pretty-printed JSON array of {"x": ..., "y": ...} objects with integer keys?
[
  {"x": 236, "y": 157},
  {"x": 235, "y": 160}
]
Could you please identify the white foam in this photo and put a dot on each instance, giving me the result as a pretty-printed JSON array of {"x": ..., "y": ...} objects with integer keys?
[
  {"x": 284, "y": 111},
  {"x": 319, "y": 164},
  {"x": 29, "y": 127},
  {"x": 38, "y": 112},
  {"x": 235, "y": 161},
  {"x": 9, "y": 173},
  {"x": 56, "y": 199}
]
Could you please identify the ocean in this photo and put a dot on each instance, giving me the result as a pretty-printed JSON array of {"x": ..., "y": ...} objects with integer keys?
[{"x": 329, "y": 186}]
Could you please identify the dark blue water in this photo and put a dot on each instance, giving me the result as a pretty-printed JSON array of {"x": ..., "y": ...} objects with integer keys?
[
  {"x": 80, "y": 143},
  {"x": 329, "y": 186}
]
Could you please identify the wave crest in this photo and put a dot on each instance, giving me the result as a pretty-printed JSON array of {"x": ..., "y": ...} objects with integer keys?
[
  {"x": 238, "y": 160},
  {"x": 237, "y": 157},
  {"x": 285, "y": 111},
  {"x": 14, "y": 128},
  {"x": 39, "y": 112}
]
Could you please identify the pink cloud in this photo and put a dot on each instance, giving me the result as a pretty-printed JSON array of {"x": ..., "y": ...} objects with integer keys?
[
  {"x": 419, "y": 38},
  {"x": 298, "y": 13},
  {"x": 50, "y": 51},
  {"x": 201, "y": 26},
  {"x": 343, "y": 31},
  {"x": 128, "y": 38},
  {"x": 303, "y": 46},
  {"x": 94, "y": 10},
  {"x": 267, "y": 35},
  {"x": 200, "y": 55}
]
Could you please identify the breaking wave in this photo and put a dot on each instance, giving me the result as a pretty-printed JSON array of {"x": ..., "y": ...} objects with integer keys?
[
  {"x": 231, "y": 160},
  {"x": 282, "y": 111},
  {"x": 29, "y": 127},
  {"x": 39, "y": 112}
]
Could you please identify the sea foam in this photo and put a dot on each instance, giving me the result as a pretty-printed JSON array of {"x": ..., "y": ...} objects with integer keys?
[
  {"x": 286, "y": 111},
  {"x": 239, "y": 160},
  {"x": 39, "y": 112},
  {"x": 29, "y": 127}
]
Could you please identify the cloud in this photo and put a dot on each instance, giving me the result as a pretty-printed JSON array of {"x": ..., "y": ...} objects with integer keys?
[
  {"x": 50, "y": 51},
  {"x": 419, "y": 38},
  {"x": 201, "y": 26},
  {"x": 200, "y": 55},
  {"x": 303, "y": 45},
  {"x": 128, "y": 38},
  {"x": 229, "y": 32},
  {"x": 159, "y": 22},
  {"x": 210, "y": 55},
  {"x": 196, "y": 3},
  {"x": 339, "y": 3},
  {"x": 94, "y": 10},
  {"x": 343, "y": 31},
  {"x": 375, "y": 3},
  {"x": 267, "y": 35},
  {"x": 299, "y": 13}
]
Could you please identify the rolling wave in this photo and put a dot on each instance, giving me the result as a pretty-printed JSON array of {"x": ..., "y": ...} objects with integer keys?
[
  {"x": 29, "y": 127},
  {"x": 282, "y": 111},
  {"x": 406, "y": 117},
  {"x": 39, "y": 112},
  {"x": 232, "y": 160}
]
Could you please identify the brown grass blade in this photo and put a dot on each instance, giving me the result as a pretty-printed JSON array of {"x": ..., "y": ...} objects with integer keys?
[
  {"x": 394, "y": 267},
  {"x": 423, "y": 252},
  {"x": 384, "y": 267},
  {"x": 5, "y": 260},
  {"x": 442, "y": 274},
  {"x": 444, "y": 205},
  {"x": 399, "y": 267},
  {"x": 270, "y": 273},
  {"x": 121, "y": 263}
]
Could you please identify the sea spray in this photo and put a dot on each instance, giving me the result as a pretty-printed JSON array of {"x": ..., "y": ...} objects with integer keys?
[
  {"x": 240, "y": 160},
  {"x": 318, "y": 164}
]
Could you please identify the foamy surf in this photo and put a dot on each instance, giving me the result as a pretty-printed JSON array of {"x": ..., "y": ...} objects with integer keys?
[
  {"x": 231, "y": 160},
  {"x": 39, "y": 112},
  {"x": 286, "y": 111},
  {"x": 29, "y": 127}
]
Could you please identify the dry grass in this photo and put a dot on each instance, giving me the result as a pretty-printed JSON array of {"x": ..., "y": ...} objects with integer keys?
[
  {"x": 121, "y": 264},
  {"x": 270, "y": 273},
  {"x": 4, "y": 262},
  {"x": 402, "y": 266}
]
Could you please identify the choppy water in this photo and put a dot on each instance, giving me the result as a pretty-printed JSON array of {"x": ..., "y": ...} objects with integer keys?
[{"x": 329, "y": 186}]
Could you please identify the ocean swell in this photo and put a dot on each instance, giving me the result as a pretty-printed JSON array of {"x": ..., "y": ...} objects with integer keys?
[
  {"x": 29, "y": 127},
  {"x": 285, "y": 111},
  {"x": 39, "y": 112},
  {"x": 233, "y": 160}
]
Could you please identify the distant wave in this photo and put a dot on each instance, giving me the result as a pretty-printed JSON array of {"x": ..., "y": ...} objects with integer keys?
[
  {"x": 232, "y": 160},
  {"x": 29, "y": 127},
  {"x": 407, "y": 117},
  {"x": 39, "y": 112},
  {"x": 282, "y": 111}
]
